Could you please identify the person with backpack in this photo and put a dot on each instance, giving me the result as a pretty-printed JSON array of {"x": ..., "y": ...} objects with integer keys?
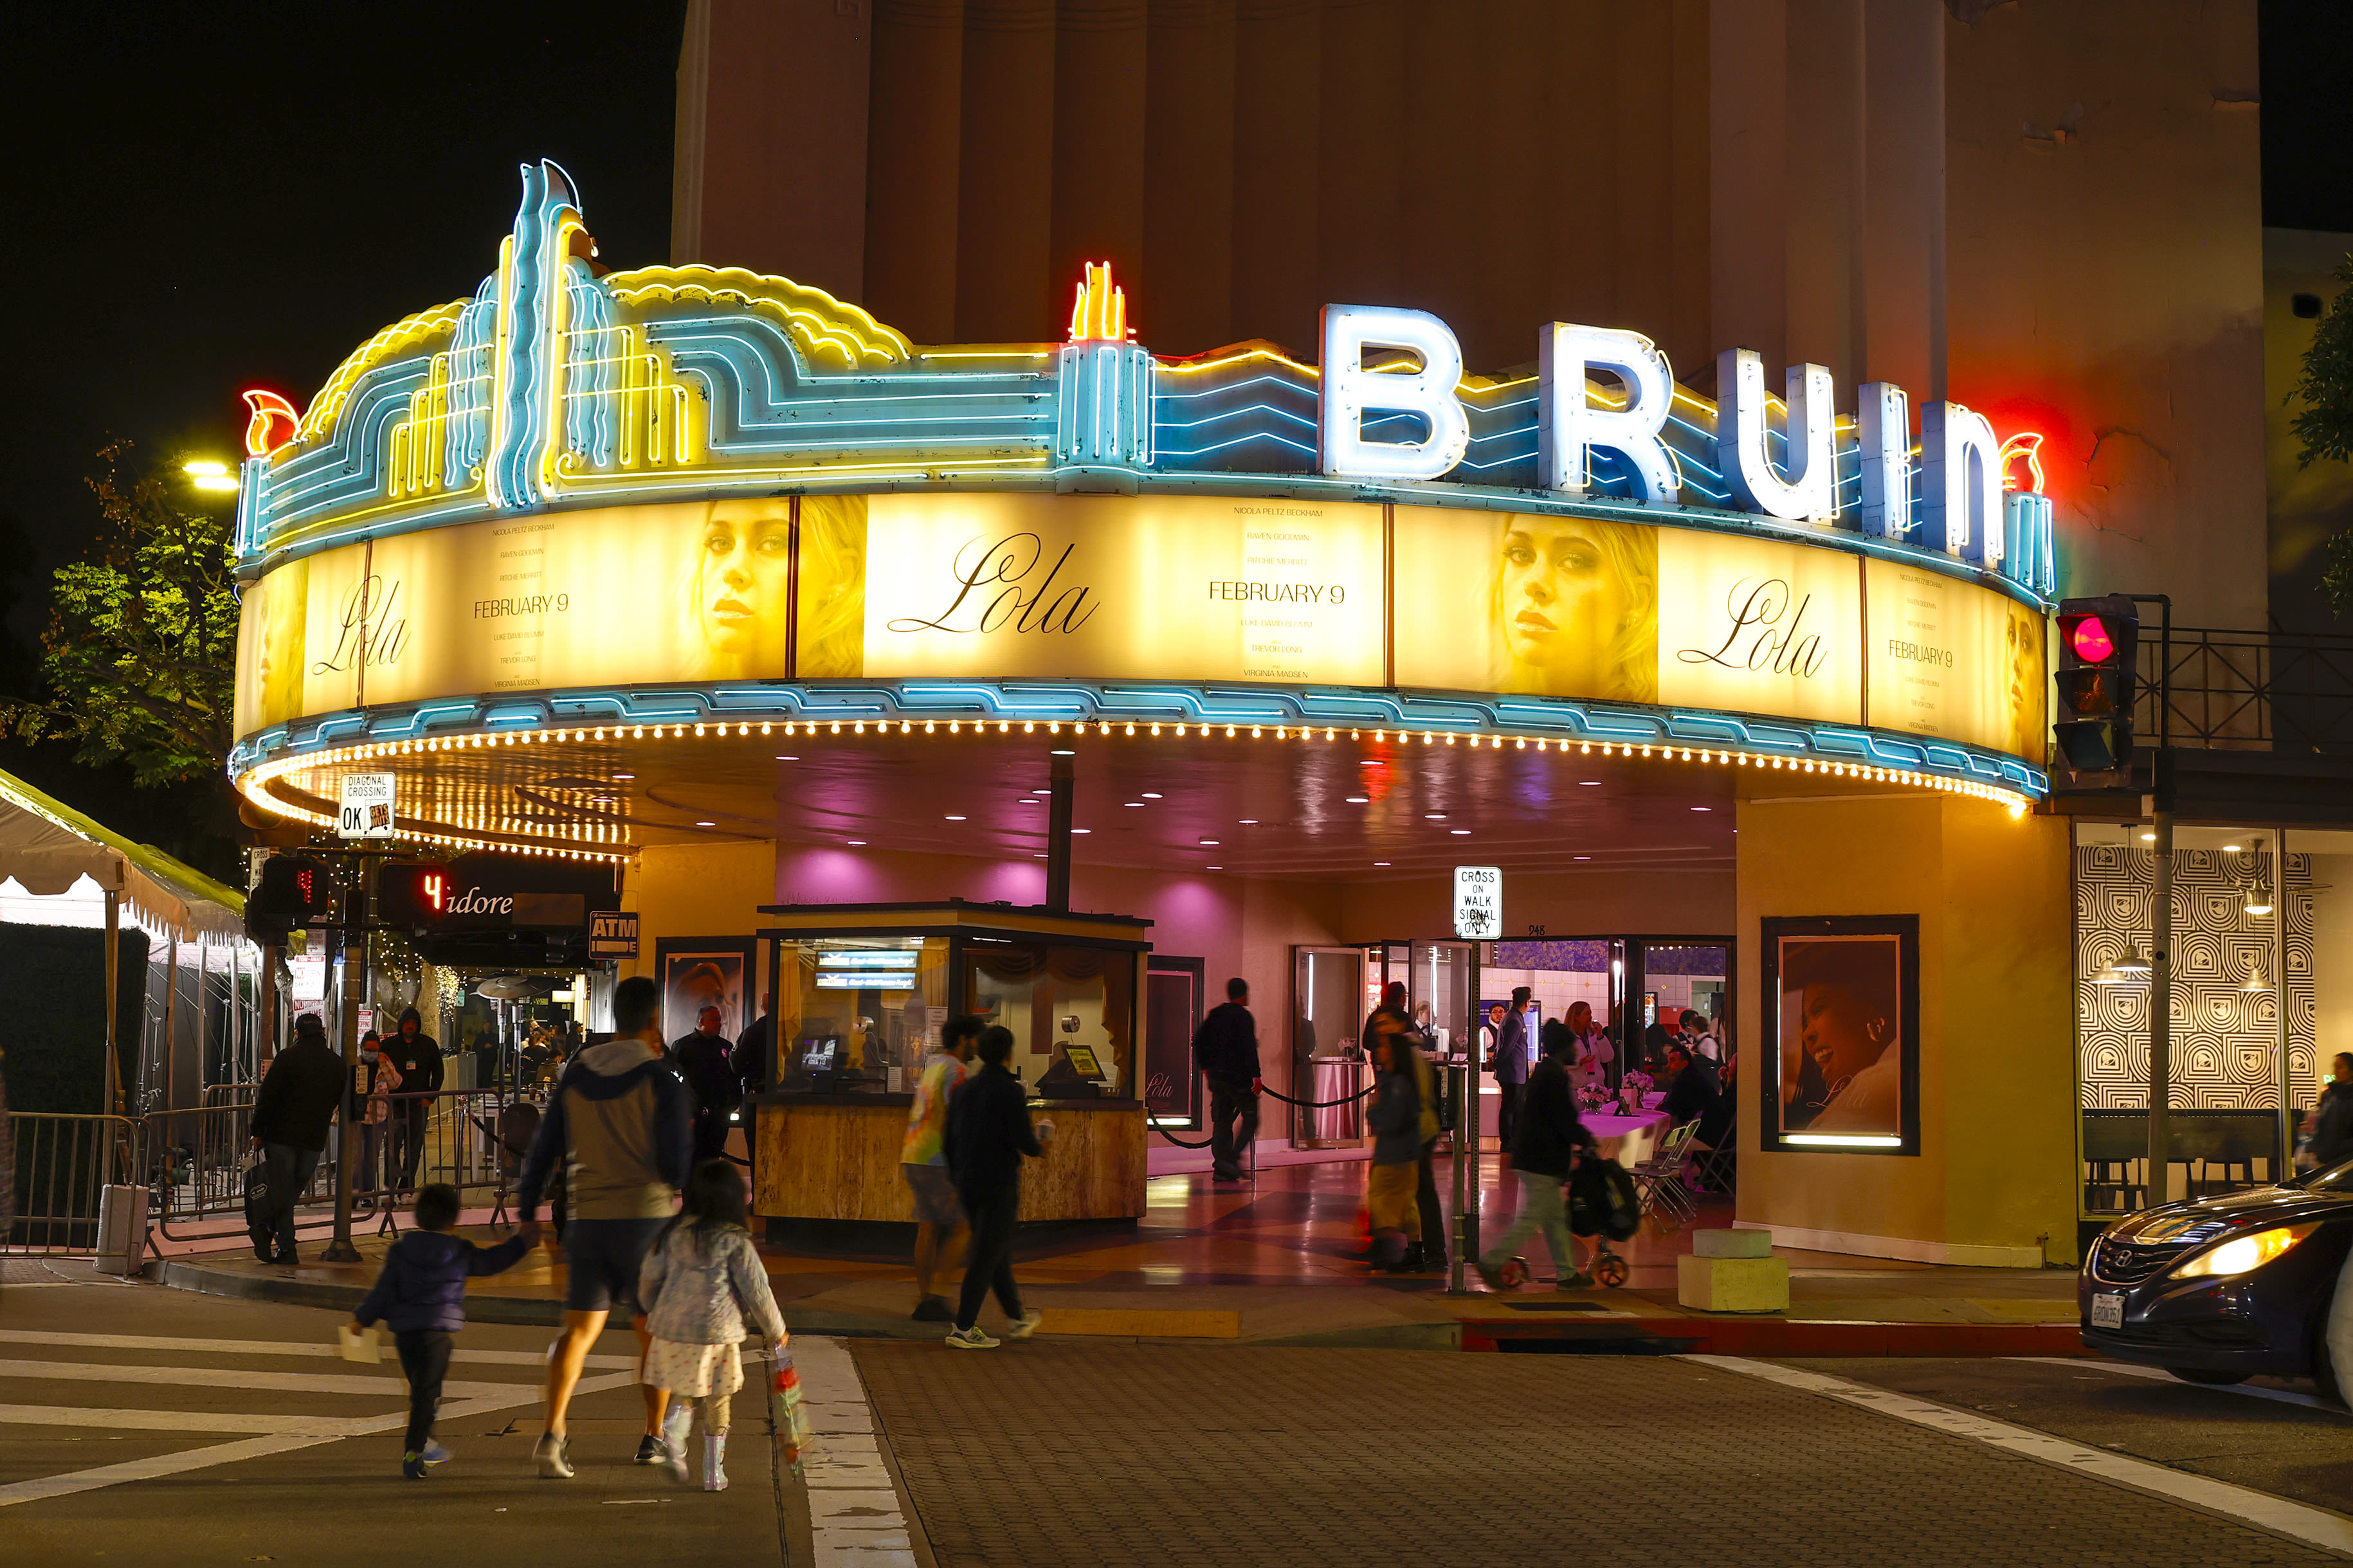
[
  {"x": 989, "y": 1136},
  {"x": 420, "y": 1296},
  {"x": 1225, "y": 1048},
  {"x": 699, "y": 1284},
  {"x": 293, "y": 1111},
  {"x": 1551, "y": 1143}
]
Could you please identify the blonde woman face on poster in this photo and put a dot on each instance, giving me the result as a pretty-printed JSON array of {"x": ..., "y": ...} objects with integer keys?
[
  {"x": 743, "y": 585},
  {"x": 1576, "y": 601},
  {"x": 2023, "y": 685}
]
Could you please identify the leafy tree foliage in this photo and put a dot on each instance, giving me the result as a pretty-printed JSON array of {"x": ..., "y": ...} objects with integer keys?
[
  {"x": 141, "y": 649},
  {"x": 2325, "y": 426}
]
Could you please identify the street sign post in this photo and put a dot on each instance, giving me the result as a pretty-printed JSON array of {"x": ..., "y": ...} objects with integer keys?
[
  {"x": 1478, "y": 902},
  {"x": 367, "y": 806},
  {"x": 612, "y": 934}
]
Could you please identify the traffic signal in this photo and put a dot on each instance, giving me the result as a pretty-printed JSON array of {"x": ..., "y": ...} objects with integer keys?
[
  {"x": 413, "y": 894},
  {"x": 2098, "y": 641},
  {"x": 295, "y": 890}
]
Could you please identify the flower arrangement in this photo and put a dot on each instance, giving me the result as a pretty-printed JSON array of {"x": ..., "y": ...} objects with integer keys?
[{"x": 1631, "y": 1088}]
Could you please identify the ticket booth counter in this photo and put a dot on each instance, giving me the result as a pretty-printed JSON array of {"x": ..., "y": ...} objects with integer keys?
[{"x": 862, "y": 992}]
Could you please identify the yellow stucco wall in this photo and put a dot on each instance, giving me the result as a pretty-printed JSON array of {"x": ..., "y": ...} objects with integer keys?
[
  {"x": 698, "y": 890},
  {"x": 1994, "y": 1181}
]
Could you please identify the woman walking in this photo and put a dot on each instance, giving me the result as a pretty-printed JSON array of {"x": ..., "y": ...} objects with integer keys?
[{"x": 702, "y": 1279}]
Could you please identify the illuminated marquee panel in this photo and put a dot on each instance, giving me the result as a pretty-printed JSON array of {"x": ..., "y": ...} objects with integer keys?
[{"x": 559, "y": 383}]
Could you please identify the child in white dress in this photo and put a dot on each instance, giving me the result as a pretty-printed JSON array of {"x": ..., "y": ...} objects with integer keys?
[{"x": 699, "y": 1282}]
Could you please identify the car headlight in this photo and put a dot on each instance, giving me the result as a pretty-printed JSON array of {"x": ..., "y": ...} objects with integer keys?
[{"x": 2241, "y": 1254}]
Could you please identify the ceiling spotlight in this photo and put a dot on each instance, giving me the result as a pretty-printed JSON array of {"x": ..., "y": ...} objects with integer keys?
[
  {"x": 855, "y": 843},
  {"x": 1214, "y": 867},
  {"x": 955, "y": 819},
  {"x": 1380, "y": 862},
  {"x": 1247, "y": 822},
  {"x": 1371, "y": 763},
  {"x": 706, "y": 824},
  {"x": 1149, "y": 795},
  {"x": 788, "y": 759},
  {"x": 1082, "y": 830},
  {"x": 1211, "y": 843},
  {"x": 1590, "y": 783},
  {"x": 624, "y": 775},
  {"x": 1460, "y": 832},
  {"x": 1433, "y": 817},
  {"x": 1360, "y": 800},
  {"x": 1703, "y": 808},
  {"x": 1132, "y": 803},
  {"x": 1062, "y": 752}
]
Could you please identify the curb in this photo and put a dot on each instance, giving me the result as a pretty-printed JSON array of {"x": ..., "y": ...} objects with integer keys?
[{"x": 1773, "y": 1337}]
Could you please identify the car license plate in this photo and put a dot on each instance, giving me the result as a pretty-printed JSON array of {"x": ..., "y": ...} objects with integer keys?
[{"x": 2108, "y": 1311}]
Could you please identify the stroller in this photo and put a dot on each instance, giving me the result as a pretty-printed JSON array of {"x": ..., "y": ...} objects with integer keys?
[{"x": 1602, "y": 1202}]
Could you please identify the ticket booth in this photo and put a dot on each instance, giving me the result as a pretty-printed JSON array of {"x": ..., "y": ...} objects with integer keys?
[{"x": 862, "y": 992}]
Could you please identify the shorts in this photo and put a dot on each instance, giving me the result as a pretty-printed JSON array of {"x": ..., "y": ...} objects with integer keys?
[
  {"x": 935, "y": 1198},
  {"x": 602, "y": 1258}
]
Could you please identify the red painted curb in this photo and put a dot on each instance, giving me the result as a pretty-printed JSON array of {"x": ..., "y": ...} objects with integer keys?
[{"x": 1773, "y": 1336}]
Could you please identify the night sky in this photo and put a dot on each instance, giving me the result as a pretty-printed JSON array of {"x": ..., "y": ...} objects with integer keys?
[{"x": 200, "y": 198}]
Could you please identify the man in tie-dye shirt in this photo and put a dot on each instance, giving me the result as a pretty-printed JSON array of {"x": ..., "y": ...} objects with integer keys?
[{"x": 939, "y": 1221}]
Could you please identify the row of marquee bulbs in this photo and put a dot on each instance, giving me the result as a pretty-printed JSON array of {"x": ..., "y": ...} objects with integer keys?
[{"x": 1871, "y": 773}]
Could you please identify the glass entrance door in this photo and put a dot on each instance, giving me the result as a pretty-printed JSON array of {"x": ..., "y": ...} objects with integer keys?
[{"x": 1327, "y": 990}]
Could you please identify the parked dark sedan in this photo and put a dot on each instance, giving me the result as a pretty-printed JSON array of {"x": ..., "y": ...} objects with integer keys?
[{"x": 2219, "y": 1289}]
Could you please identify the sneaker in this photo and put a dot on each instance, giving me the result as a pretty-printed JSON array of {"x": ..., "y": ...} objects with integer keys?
[
  {"x": 970, "y": 1339},
  {"x": 1495, "y": 1279},
  {"x": 1026, "y": 1324},
  {"x": 413, "y": 1467},
  {"x": 554, "y": 1462},
  {"x": 934, "y": 1309},
  {"x": 434, "y": 1454},
  {"x": 676, "y": 1427},
  {"x": 650, "y": 1450}
]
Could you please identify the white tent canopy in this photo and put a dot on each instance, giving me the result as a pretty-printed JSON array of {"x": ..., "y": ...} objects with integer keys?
[{"x": 47, "y": 848}]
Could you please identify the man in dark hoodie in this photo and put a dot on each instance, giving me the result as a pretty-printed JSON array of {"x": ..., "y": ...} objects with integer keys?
[
  {"x": 291, "y": 1112},
  {"x": 417, "y": 1058},
  {"x": 618, "y": 1120},
  {"x": 988, "y": 1135},
  {"x": 1551, "y": 1141},
  {"x": 1225, "y": 1048}
]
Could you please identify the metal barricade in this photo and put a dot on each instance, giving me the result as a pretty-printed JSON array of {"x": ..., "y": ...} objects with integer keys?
[
  {"x": 462, "y": 1138},
  {"x": 196, "y": 1174},
  {"x": 63, "y": 1162}
]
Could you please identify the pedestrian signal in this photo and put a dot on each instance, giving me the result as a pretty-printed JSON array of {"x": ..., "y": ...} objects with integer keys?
[
  {"x": 414, "y": 895},
  {"x": 2098, "y": 639},
  {"x": 294, "y": 890}
]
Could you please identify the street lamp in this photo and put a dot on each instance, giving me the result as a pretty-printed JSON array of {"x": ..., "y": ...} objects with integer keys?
[{"x": 206, "y": 475}]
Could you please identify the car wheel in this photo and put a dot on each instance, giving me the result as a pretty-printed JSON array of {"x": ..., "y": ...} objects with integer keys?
[{"x": 2211, "y": 1379}]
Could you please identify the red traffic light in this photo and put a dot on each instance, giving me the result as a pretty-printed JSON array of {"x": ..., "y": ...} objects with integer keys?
[{"x": 2092, "y": 642}]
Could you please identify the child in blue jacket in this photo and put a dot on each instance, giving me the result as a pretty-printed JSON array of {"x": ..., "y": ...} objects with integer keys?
[{"x": 420, "y": 1296}]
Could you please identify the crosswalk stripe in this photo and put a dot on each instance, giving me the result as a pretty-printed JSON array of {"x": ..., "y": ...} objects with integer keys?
[
  {"x": 388, "y": 1383},
  {"x": 170, "y": 1420},
  {"x": 256, "y": 1447},
  {"x": 268, "y": 1347}
]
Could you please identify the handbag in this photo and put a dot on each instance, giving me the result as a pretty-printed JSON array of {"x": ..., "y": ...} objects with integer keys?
[{"x": 260, "y": 1217}]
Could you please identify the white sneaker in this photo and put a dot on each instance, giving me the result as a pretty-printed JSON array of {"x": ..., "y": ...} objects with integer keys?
[
  {"x": 434, "y": 1454},
  {"x": 970, "y": 1339},
  {"x": 554, "y": 1463},
  {"x": 1026, "y": 1324}
]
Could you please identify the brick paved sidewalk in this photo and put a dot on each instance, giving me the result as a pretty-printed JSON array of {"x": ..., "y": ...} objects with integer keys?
[{"x": 1170, "y": 1457}]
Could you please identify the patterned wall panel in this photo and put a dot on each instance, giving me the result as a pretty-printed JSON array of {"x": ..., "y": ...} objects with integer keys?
[{"x": 2225, "y": 1039}]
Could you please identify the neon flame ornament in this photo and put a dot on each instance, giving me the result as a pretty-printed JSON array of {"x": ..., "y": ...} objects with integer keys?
[
  {"x": 273, "y": 423},
  {"x": 1810, "y": 492},
  {"x": 1100, "y": 312},
  {"x": 1351, "y": 392},
  {"x": 2023, "y": 450}
]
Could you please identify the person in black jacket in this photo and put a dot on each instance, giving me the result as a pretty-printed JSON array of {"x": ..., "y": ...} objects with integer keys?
[
  {"x": 420, "y": 1296},
  {"x": 417, "y": 1057},
  {"x": 988, "y": 1135},
  {"x": 1551, "y": 1141},
  {"x": 1225, "y": 1048},
  {"x": 291, "y": 1111},
  {"x": 706, "y": 1060},
  {"x": 2332, "y": 1119},
  {"x": 1511, "y": 1068}
]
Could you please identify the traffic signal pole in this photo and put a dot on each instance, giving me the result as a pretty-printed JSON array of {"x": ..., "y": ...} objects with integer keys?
[
  {"x": 349, "y": 939},
  {"x": 2160, "y": 958}
]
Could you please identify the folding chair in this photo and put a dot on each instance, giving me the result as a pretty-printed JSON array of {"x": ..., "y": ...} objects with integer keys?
[{"x": 1659, "y": 1179}]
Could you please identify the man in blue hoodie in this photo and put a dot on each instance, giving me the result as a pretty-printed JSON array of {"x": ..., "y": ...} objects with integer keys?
[{"x": 618, "y": 1120}]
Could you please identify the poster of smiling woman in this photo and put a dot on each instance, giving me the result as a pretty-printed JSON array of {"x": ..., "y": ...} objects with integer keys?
[{"x": 1841, "y": 1048}]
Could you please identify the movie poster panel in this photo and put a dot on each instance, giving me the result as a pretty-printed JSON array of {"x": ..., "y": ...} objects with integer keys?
[
  {"x": 1759, "y": 625},
  {"x": 1123, "y": 587},
  {"x": 1529, "y": 604},
  {"x": 1842, "y": 1049},
  {"x": 704, "y": 972},
  {"x": 1954, "y": 659}
]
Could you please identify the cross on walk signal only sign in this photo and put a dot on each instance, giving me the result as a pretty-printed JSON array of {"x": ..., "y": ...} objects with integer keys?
[
  {"x": 367, "y": 806},
  {"x": 1478, "y": 902}
]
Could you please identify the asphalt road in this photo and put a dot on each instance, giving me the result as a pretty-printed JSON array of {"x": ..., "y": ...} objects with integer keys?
[{"x": 142, "y": 1424}]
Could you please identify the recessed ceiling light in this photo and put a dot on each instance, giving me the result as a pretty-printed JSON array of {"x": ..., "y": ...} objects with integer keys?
[
  {"x": 1082, "y": 830},
  {"x": 624, "y": 775},
  {"x": 1216, "y": 867},
  {"x": 955, "y": 819},
  {"x": 1150, "y": 794},
  {"x": 1583, "y": 857},
  {"x": 788, "y": 759},
  {"x": 1132, "y": 802},
  {"x": 1360, "y": 800},
  {"x": 1063, "y": 752},
  {"x": 1210, "y": 842},
  {"x": 1247, "y": 822},
  {"x": 1433, "y": 817},
  {"x": 1459, "y": 832},
  {"x": 855, "y": 843},
  {"x": 1380, "y": 862},
  {"x": 1590, "y": 783},
  {"x": 706, "y": 824},
  {"x": 1371, "y": 763},
  {"x": 1703, "y": 808},
  {"x": 1038, "y": 855}
]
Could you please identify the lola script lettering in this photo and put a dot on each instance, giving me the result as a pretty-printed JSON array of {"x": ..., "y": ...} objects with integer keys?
[
  {"x": 372, "y": 609},
  {"x": 1007, "y": 566},
  {"x": 1758, "y": 638}
]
